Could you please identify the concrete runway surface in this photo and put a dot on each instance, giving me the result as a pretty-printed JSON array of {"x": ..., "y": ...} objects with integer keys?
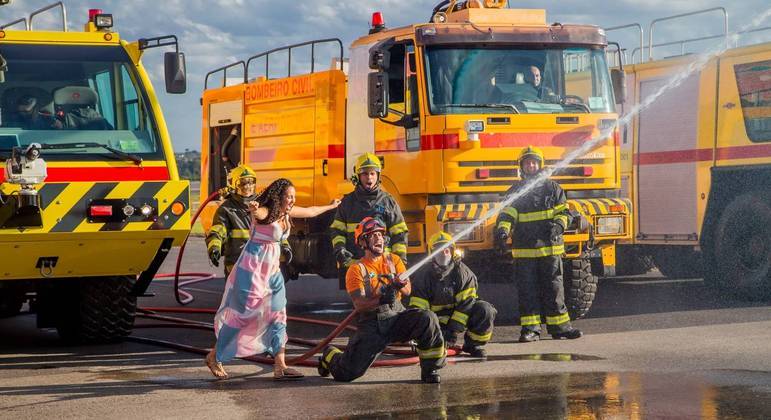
[{"x": 654, "y": 348}]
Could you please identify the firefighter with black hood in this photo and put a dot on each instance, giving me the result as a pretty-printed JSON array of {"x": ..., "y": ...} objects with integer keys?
[
  {"x": 367, "y": 200},
  {"x": 376, "y": 285},
  {"x": 448, "y": 287},
  {"x": 232, "y": 220},
  {"x": 536, "y": 222}
]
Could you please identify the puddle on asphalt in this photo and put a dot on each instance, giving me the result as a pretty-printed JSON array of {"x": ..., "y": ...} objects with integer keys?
[
  {"x": 627, "y": 395},
  {"x": 544, "y": 357}
]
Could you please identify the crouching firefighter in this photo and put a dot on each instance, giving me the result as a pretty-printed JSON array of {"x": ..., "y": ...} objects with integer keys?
[
  {"x": 448, "y": 287},
  {"x": 376, "y": 289},
  {"x": 537, "y": 220},
  {"x": 232, "y": 220}
]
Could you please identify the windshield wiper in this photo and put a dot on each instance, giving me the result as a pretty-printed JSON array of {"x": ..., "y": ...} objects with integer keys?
[
  {"x": 506, "y": 106},
  {"x": 126, "y": 156}
]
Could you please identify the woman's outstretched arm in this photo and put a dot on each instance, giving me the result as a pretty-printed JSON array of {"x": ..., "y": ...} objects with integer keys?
[{"x": 307, "y": 212}]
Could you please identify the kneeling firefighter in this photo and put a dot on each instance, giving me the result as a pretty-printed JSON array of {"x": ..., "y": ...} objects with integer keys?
[
  {"x": 538, "y": 220},
  {"x": 376, "y": 289},
  {"x": 232, "y": 220},
  {"x": 448, "y": 287}
]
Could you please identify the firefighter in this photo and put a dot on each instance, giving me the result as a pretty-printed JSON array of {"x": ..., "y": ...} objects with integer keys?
[
  {"x": 375, "y": 288},
  {"x": 449, "y": 288},
  {"x": 537, "y": 220},
  {"x": 232, "y": 220},
  {"x": 367, "y": 200}
]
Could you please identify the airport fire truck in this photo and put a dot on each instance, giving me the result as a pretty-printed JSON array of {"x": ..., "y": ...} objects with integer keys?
[
  {"x": 698, "y": 163},
  {"x": 90, "y": 199},
  {"x": 447, "y": 105}
]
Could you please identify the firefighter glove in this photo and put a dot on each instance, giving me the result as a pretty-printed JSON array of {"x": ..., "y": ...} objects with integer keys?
[
  {"x": 286, "y": 253},
  {"x": 450, "y": 337},
  {"x": 387, "y": 295},
  {"x": 556, "y": 231},
  {"x": 501, "y": 235},
  {"x": 343, "y": 256},
  {"x": 214, "y": 255}
]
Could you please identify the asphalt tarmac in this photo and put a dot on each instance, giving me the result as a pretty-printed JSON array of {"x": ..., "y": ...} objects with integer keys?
[{"x": 654, "y": 348}]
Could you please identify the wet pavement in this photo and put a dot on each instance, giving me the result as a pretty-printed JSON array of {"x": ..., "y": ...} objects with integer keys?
[{"x": 654, "y": 348}]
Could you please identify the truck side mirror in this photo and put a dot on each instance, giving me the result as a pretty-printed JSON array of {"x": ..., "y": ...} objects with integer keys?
[
  {"x": 379, "y": 59},
  {"x": 175, "y": 72},
  {"x": 618, "y": 78},
  {"x": 377, "y": 94}
]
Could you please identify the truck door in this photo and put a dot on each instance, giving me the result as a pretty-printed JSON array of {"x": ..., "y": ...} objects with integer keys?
[{"x": 667, "y": 158}]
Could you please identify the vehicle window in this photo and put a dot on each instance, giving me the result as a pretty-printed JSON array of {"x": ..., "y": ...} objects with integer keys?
[{"x": 754, "y": 82}]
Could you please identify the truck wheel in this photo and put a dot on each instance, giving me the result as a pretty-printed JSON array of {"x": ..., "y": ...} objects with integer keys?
[
  {"x": 632, "y": 262},
  {"x": 740, "y": 250},
  {"x": 580, "y": 286},
  {"x": 679, "y": 262},
  {"x": 102, "y": 311}
]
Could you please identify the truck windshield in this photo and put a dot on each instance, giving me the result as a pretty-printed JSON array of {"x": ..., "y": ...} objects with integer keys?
[
  {"x": 75, "y": 94},
  {"x": 534, "y": 81}
]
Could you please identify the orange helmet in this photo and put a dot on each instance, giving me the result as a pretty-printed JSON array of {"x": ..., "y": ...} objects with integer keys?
[{"x": 366, "y": 226}]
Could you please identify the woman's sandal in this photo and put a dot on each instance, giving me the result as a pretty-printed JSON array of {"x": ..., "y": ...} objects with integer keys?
[
  {"x": 287, "y": 374},
  {"x": 215, "y": 367}
]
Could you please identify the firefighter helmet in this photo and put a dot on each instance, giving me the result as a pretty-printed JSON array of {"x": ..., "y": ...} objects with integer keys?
[
  {"x": 530, "y": 152},
  {"x": 367, "y": 161},
  {"x": 240, "y": 172},
  {"x": 367, "y": 226},
  {"x": 438, "y": 239}
]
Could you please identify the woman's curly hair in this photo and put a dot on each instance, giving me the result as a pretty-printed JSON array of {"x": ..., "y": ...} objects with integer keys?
[{"x": 270, "y": 198}]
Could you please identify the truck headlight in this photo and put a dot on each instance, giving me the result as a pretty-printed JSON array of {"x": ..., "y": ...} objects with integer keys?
[
  {"x": 455, "y": 228},
  {"x": 610, "y": 225}
]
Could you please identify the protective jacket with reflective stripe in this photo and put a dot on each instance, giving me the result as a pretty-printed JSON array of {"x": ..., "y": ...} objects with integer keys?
[
  {"x": 359, "y": 204},
  {"x": 449, "y": 292},
  {"x": 230, "y": 227},
  {"x": 530, "y": 219}
]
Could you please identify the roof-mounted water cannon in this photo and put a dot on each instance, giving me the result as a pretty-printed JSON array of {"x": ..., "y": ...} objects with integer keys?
[
  {"x": 447, "y": 7},
  {"x": 24, "y": 168},
  {"x": 378, "y": 23}
]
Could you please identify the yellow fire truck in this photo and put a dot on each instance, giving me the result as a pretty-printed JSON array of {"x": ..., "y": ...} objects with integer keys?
[
  {"x": 697, "y": 164},
  {"x": 446, "y": 105},
  {"x": 90, "y": 199}
]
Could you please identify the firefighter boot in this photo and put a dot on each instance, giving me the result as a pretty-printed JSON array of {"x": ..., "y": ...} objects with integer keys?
[
  {"x": 474, "y": 350},
  {"x": 528, "y": 336},
  {"x": 429, "y": 375},
  {"x": 325, "y": 359},
  {"x": 570, "y": 334}
]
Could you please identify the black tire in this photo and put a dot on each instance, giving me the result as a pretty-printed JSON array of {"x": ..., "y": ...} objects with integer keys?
[
  {"x": 739, "y": 249},
  {"x": 580, "y": 286},
  {"x": 632, "y": 262},
  {"x": 102, "y": 311},
  {"x": 679, "y": 262}
]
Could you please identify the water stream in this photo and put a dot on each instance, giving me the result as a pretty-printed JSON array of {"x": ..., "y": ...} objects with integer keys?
[{"x": 697, "y": 65}]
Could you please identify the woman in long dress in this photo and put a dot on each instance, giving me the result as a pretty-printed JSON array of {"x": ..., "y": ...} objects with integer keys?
[{"x": 252, "y": 316}]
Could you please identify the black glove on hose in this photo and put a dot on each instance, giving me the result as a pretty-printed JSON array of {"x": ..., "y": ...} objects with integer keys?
[
  {"x": 214, "y": 256},
  {"x": 387, "y": 295},
  {"x": 286, "y": 254},
  {"x": 556, "y": 231},
  {"x": 450, "y": 337},
  {"x": 501, "y": 235},
  {"x": 343, "y": 256}
]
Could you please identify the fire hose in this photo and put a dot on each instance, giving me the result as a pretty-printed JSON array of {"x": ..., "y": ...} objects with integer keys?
[{"x": 183, "y": 298}]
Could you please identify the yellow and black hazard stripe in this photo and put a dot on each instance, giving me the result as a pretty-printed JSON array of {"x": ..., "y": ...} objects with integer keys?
[
  {"x": 593, "y": 206},
  {"x": 65, "y": 206},
  {"x": 470, "y": 211}
]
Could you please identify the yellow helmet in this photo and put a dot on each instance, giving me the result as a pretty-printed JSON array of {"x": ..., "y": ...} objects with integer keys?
[
  {"x": 239, "y": 172},
  {"x": 530, "y": 152},
  {"x": 438, "y": 239},
  {"x": 367, "y": 161}
]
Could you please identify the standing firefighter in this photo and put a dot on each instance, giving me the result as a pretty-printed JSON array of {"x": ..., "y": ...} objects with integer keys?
[
  {"x": 232, "y": 220},
  {"x": 367, "y": 200},
  {"x": 449, "y": 288},
  {"x": 538, "y": 220},
  {"x": 376, "y": 289}
]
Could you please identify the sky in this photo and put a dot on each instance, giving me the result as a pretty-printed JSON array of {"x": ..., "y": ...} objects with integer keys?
[{"x": 213, "y": 33}]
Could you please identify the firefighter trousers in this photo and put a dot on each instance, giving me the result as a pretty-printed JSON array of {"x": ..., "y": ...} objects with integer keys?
[
  {"x": 372, "y": 337},
  {"x": 541, "y": 293},
  {"x": 480, "y": 323}
]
